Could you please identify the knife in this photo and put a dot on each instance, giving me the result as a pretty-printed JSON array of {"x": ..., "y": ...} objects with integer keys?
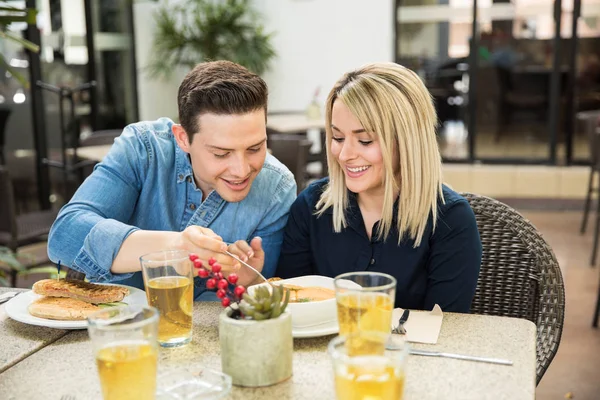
[
  {"x": 7, "y": 296},
  {"x": 400, "y": 328},
  {"x": 460, "y": 357}
]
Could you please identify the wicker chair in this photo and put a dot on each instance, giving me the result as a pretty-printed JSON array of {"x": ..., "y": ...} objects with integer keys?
[{"x": 519, "y": 275}]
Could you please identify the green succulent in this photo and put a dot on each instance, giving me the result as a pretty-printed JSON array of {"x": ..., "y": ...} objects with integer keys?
[{"x": 264, "y": 303}]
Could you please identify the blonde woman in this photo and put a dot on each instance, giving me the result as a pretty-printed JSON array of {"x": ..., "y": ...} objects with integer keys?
[{"x": 384, "y": 207}]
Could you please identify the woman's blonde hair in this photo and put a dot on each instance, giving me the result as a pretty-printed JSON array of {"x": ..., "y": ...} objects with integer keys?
[{"x": 392, "y": 104}]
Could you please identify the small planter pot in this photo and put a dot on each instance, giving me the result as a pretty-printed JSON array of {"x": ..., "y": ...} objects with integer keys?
[{"x": 256, "y": 353}]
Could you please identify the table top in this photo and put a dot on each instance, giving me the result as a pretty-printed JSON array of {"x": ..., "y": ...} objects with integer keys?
[
  {"x": 96, "y": 153},
  {"x": 20, "y": 340},
  {"x": 293, "y": 123},
  {"x": 67, "y": 366}
]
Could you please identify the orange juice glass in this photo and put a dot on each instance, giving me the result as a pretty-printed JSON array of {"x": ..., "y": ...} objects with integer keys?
[
  {"x": 365, "y": 301},
  {"x": 126, "y": 351},
  {"x": 364, "y": 369},
  {"x": 169, "y": 282}
]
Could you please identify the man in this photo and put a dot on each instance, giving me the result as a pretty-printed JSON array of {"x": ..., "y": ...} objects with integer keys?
[{"x": 198, "y": 186}]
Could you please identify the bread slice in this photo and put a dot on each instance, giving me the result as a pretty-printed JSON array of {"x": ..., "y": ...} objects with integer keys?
[
  {"x": 80, "y": 290},
  {"x": 61, "y": 308}
]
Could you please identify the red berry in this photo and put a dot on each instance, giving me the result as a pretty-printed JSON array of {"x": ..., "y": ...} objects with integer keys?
[
  {"x": 239, "y": 290},
  {"x": 233, "y": 278},
  {"x": 218, "y": 275},
  {"x": 222, "y": 284},
  {"x": 197, "y": 263},
  {"x": 216, "y": 267},
  {"x": 202, "y": 273},
  {"x": 211, "y": 261},
  {"x": 211, "y": 283},
  {"x": 193, "y": 257},
  {"x": 226, "y": 302},
  {"x": 221, "y": 293}
]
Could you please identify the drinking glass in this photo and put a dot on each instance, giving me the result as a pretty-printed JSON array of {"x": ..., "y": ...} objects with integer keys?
[
  {"x": 364, "y": 369},
  {"x": 365, "y": 301},
  {"x": 125, "y": 348},
  {"x": 169, "y": 281}
]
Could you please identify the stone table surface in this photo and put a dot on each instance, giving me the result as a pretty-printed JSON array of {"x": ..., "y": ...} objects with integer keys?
[
  {"x": 18, "y": 341},
  {"x": 67, "y": 366}
]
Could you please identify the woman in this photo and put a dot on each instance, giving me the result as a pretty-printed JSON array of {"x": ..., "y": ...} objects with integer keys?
[{"x": 384, "y": 207}]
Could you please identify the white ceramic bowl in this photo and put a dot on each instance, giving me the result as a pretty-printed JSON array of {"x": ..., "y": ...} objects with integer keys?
[{"x": 313, "y": 313}]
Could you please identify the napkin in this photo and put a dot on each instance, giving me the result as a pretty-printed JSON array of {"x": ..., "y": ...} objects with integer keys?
[{"x": 421, "y": 326}]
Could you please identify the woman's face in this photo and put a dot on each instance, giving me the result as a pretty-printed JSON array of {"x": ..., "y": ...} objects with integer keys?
[{"x": 357, "y": 151}]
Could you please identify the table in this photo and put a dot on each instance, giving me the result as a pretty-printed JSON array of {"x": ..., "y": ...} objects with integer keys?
[
  {"x": 67, "y": 367},
  {"x": 19, "y": 341},
  {"x": 95, "y": 153}
]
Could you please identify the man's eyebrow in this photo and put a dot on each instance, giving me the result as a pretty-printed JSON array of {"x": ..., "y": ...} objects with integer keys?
[
  {"x": 225, "y": 149},
  {"x": 361, "y": 130}
]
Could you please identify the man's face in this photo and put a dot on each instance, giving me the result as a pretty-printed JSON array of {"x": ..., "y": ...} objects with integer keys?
[{"x": 227, "y": 153}]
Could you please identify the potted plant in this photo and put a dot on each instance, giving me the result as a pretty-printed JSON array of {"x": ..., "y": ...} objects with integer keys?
[
  {"x": 208, "y": 30},
  {"x": 255, "y": 329},
  {"x": 9, "y": 15}
]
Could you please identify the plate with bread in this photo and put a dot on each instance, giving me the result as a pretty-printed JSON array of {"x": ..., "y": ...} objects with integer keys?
[{"x": 66, "y": 303}]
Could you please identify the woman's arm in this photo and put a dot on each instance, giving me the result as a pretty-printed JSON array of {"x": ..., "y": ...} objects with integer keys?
[
  {"x": 296, "y": 257},
  {"x": 454, "y": 260}
]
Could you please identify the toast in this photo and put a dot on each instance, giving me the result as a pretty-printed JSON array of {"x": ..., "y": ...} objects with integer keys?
[
  {"x": 60, "y": 308},
  {"x": 80, "y": 290}
]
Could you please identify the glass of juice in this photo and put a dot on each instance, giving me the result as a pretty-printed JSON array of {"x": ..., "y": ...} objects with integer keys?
[
  {"x": 364, "y": 369},
  {"x": 169, "y": 281},
  {"x": 125, "y": 348},
  {"x": 365, "y": 301}
]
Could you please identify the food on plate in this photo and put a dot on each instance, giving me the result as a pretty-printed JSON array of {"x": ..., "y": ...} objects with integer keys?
[
  {"x": 305, "y": 294},
  {"x": 61, "y": 308},
  {"x": 72, "y": 299},
  {"x": 80, "y": 290}
]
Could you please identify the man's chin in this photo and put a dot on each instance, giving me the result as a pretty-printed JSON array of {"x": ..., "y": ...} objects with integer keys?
[{"x": 233, "y": 196}]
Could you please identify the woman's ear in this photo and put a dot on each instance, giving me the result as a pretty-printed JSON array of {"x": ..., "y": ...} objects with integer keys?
[{"x": 181, "y": 137}]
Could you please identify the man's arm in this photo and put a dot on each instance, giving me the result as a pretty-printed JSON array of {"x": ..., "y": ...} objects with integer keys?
[{"x": 90, "y": 235}]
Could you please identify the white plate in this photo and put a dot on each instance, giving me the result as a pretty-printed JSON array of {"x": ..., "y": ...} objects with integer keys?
[
  {"x": 16, "y": 308},
  {"x": 318, "y": 331}
]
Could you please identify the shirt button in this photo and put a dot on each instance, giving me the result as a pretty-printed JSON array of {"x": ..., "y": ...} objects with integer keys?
[
  {"x": 372, "y": 261},
  {"x": 192, "y": 206},
  {"x": 180, "y": 176},
  {"x": 189, "y": 179}
]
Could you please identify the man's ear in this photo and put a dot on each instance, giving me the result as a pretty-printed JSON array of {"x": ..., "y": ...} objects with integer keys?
[{"x": 181, "y": 137}]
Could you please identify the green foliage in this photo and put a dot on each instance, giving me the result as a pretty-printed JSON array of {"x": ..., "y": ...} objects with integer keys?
[
  {"x": 209, "y": 30},
  {"x": 10, "y": 261},
  {"x": 265, "y": 304},
  {"x": 8, "y": 15}
]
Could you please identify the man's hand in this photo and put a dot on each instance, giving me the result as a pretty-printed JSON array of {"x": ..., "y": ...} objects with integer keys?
[
  {"x": 206, "y": 245},
  {"x": 252, "y": 254}
]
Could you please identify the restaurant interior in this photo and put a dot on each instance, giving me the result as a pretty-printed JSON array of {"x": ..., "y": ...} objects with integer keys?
[{"x": 516, "y": 87}]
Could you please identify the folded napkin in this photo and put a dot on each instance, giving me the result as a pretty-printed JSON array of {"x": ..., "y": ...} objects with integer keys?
[{"x": 421, "y": 326}]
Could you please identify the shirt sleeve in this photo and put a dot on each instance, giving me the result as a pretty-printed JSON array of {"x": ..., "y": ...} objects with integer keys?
[
  {"x": 454, "y": 260},
  {"x": 296, "y": 255},
  {"x": 272, "y": 226},
  {"x": 88, "y": 232}
]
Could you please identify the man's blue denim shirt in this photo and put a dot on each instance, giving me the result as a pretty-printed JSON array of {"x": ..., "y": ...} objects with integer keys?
[{"x": 146, "y": 182}]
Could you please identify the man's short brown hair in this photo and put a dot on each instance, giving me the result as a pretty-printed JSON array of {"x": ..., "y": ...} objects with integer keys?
[{"x": 219, "y": 87}]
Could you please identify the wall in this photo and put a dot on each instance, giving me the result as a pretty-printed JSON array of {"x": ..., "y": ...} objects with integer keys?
[{"x": 316, "y": 42}]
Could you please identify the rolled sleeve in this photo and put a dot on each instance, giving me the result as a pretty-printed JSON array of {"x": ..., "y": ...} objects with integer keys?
[
  {"x": 96, "y": 260},
  {"x": 88, "y": 234}
]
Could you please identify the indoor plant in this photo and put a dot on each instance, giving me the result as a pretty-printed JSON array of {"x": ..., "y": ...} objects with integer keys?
[
  {"x": 9, "y": 15},
  {"x": 255, "y": 330},
  {"x": 208, "y": 30}
]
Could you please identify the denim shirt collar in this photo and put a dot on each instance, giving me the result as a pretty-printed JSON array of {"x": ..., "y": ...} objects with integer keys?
[{"x": 184, "y": 166}]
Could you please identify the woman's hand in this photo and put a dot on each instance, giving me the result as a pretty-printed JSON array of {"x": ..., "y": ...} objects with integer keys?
[{"x": 252, "y": 254}]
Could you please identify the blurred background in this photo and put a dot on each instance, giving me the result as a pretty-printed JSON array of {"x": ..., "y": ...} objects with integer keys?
[{"x": 516, "y": 85}]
